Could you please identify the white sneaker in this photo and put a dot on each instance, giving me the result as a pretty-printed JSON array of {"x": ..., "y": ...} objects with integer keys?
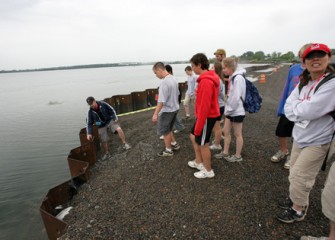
[
  {"x": 287, "y": 162},
  {"x": 203, "y": 173},
  {"x": 193, "y": 164},
  {"x": 280, "y": 155},
  {"x": 161, "y": 137},
  {"x": 126, "y": 146},
  {"x": 106, "y": 156},
  {"x": 215, "y": 147}
]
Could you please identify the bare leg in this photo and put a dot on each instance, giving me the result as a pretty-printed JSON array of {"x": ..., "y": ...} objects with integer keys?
[
  {"x": 239, "y": 138},
  {"x": 206, "y": 156},
  {"x": 227, "y": 136},
  {"x": 121, "y": 135},
  {"x": 167, "y": 140},
  {"x": 105, "y": 146},
  {"x": 196, "y": 147},
  {"x": 283, "y": 144},
  {"x": 217, "y": 133},
  {"x": 332, "y": 231}
]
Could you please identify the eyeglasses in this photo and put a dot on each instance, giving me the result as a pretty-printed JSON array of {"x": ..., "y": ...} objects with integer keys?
[{"x": 316, "y": 54}]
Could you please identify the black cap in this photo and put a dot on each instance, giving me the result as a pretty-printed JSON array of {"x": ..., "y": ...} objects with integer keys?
[{"x": 90, "y": 100}]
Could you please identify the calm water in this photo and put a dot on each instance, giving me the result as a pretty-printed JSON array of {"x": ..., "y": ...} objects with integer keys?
[{"x": 41, "y": 116}]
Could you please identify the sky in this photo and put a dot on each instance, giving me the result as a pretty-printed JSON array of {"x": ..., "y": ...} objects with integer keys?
[{"x": 54, "y": 33}]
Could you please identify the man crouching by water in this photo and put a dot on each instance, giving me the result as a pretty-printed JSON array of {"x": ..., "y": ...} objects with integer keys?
[
  {"x": 104, "y": 117},
  {"x": 167, "y": 108}
]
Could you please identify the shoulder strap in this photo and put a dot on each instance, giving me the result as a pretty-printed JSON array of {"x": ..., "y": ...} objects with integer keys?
[{"x": 326, "y": 79}]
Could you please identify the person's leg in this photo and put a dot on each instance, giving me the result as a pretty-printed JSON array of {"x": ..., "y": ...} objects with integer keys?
[
  {"x": 206, "y": 156},
  {"x": 217, "y": 133},
  {"x": 104, "y": 139},
  {"x": 196, "y": 147},
  {"x": 186, "y": 105},
  {"x": 227, "y": 137},
  {"x": 167, "y": 141},
  {"x": 105, "y": 147},
  {"x": 332, "y": 231},
  {"x": 121, "y": 135},
  {"x": 239, "y": 138}
]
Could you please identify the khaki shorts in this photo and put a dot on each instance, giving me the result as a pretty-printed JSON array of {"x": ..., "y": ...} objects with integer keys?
[
  {"x": 103, "y": 131},
  {"x": 328, "y": 193}
]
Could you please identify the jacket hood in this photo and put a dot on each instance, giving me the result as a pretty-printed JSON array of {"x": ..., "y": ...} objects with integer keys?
[
  {"x": 210, "y": 75},
  {"x": 241, "y": 71}
]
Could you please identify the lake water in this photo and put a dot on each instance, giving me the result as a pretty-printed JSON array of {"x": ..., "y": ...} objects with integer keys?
[{"x": 41, "y": 116}]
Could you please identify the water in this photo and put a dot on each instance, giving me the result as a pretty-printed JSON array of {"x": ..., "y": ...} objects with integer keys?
[{"x": 41, "y": 116}]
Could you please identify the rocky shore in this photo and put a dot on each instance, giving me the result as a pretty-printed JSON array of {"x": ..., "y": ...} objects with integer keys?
[{"x": 138, "y": 195}]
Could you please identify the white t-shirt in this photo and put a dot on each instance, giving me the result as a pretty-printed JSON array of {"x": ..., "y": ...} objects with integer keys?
[{"x": 168, "y": 94}]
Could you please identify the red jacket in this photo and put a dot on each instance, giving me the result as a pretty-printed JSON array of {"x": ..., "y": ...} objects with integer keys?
[{"x": 206, "y": 103}]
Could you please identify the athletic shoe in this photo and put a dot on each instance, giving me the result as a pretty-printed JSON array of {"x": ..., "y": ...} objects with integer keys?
[
  {"x": 203, "y": 173},
  {"x": 214, "y": 147},
  {"x": 165, "y": 153},
  {"x": 175, "y": 147},
  {"x": 178, "y": 130},
  {"x": 313, "y": 238},
  {"x": 280, "y": 155},
  {"x": 234, "y": 159},
  {"x": 105, "y": 156},
  {"x": 287, "y": 162},
  {"x": 221, "y": 155},
  {"x": 161, "y": 137},
  {"x": 193, "y": 164},
  {"x": 126, "y": 146},
  {"x": 285, "y": 203},
  {"x": 290, "y": 216}
]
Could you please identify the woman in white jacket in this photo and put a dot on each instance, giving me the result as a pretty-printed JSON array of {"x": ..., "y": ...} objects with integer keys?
[
  {"x": 234, "y": 110},
  {"x": 313, "y": 129}
]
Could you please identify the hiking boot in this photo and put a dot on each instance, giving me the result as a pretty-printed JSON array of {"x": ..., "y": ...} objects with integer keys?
[
  {"x": 285, "y": 203},
  {"x": 165, "y": 153},
  {"x": 175, "y": 147},
  {"x": 290, "y": 216},
  {"x": 287, "y": 162},
  {"x": 215, "y": 147},
  {"x": 221, "y": 155},
  {"x": 193, "y": 164},
  {"x": 280, "y": 155},
  {"x": 126, "y": 146},
  {"x": 106, "y": 156},
  {"x": 234, "y": 159},
  {"x": 203, "y": 173},
  {"x": 313, "y": 238}
]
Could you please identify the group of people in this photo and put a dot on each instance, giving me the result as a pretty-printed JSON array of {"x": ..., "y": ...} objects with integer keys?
[{"x": 304, "y": 114}]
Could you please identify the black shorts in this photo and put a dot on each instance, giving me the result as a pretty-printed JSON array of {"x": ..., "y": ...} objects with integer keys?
[
  {"x": 236, "y": 119},
  {"x": 284, "y": 127},
  {"x": 219, "y": 118},
  {"x": 205, "y": 133}
]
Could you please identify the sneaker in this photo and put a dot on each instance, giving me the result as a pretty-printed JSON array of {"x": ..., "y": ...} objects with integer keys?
[
  {"x": 193, "y": 164},
  {"x": 161, "y": 137},
  {"x": 285, "y": 203},
  {"x": 234, "y": 159},
  {"x": 175, "y": 147},
  {"x": 203, "y": 173},
  {"x": 126, "y": 146},
  {"x": 280, "y": 155},
  {"x": 287, "y": 162},
  {"x": 165, "y": 153},
  {"x": 215, "y": 147},
  {"x": 290, "y": 216},
  {"x": 221, "y": 155},
  {"x": 188, "y": 116},
  {"x": 106, "y": 156},
  {"x": 313, "y": 238},
  {"x": 178, "y": 130}
]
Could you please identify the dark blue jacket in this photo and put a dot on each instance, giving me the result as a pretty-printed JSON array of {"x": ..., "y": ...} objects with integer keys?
[{"x": 108, "y": 113}]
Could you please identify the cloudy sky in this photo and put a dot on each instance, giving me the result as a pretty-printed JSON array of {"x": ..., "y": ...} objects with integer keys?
[{"x": 52, "y": 33}]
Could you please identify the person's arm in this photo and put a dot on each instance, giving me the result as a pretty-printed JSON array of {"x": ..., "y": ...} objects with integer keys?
[
  {"x": 89, "y": 127},
  {"x": 157, "y": 110}
]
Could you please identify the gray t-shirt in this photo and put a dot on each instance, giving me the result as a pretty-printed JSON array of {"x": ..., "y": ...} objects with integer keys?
[{"x": 168, "y": 94}]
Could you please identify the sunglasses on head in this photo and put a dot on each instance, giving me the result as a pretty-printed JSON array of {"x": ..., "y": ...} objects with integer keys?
[{"x": 316, "y": 54}]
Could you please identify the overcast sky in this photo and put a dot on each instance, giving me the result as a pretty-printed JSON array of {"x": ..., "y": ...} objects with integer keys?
[{"x": 52, "y": 33}]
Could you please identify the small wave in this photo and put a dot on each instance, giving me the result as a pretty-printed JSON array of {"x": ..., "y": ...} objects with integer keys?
[{"x": 54, "y": 103}]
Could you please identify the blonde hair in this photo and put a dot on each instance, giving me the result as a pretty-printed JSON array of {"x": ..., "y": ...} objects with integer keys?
[
  {"x": 303, "y": 48},
  {"x": 231, "y": 62}
]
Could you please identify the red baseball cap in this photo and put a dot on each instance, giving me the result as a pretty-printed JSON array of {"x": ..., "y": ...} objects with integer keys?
[{"x": 316, "y": 47}]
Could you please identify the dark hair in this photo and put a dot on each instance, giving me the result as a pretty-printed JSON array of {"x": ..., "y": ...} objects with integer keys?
[
  {"x": 159, "y": 65},
  {"x": 218, "y": 69},
  {"x": 305, "y": 77},
  {"x": 201, "y": 59},
  {"x": 188, "y": 68},
  {"x": 169, "y": 69}
]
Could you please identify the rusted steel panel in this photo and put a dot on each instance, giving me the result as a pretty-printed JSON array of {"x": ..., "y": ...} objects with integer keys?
[
  {"x": 96, "y": 137},
  {"x": 110, "y": 101},
  {"x": 123, "y": 103},
  {"x": 79, "y": 169},
  {"x": 86, "y": 153},
  {"x": 139, "y": 100},
  {"x": 152, "y": 95},
  {"x": 54, "y": 227}
]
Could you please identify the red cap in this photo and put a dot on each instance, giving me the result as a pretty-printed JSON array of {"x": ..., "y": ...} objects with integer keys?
[{"x": 316, "y": 47}]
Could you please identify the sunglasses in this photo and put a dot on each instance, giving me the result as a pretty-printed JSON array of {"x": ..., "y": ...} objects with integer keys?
[{"x": 316, "y": 54}]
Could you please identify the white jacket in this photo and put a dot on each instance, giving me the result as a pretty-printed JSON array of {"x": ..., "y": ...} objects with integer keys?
[{"x": 237, "y": 88}]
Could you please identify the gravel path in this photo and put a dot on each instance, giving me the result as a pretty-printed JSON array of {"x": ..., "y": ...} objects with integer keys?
[{"x": 137, "y": 195}]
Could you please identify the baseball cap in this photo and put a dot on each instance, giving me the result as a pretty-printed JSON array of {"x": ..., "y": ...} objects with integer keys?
[
  {"x": 316, "y": 47},
  {"x": 220, "y": 51},
  {"x": 90, "y": 100}
]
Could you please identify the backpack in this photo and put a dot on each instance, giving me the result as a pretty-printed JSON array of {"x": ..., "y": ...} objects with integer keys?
[{"x": 253, "y": 100}]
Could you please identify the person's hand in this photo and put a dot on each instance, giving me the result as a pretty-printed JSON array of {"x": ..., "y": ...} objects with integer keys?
[
  {"x": 154, "y": 118},
  {"x": 89, "y": 137}
]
